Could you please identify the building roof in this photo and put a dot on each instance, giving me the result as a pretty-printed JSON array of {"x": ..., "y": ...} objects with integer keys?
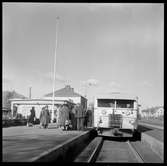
[
  {"x": 67, "y": 91},
  {"x": 34, "y": 99},
  {"x": 39, "y": 101},
  {"x": 123, "y": 96}
]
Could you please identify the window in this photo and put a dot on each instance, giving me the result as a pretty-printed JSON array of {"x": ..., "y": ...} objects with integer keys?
[
  {"x": 105, "y": 103},
  {"x": 124, "y": 103}
]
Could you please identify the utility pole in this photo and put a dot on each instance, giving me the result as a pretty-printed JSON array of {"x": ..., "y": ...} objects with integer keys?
[
  {"x": 86, "y": 90},
  {"x": 30, "y": 92},
  {"x": 54, "y": 73}
]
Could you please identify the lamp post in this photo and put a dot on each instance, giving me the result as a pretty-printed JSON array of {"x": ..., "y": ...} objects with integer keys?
[{"x": 54, "y": 73}]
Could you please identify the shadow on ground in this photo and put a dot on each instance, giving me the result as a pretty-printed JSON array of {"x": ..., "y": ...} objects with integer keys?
[{"x": 143, "y": 128}]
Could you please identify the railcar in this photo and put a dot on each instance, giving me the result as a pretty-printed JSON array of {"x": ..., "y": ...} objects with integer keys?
[{"x": 117, "y": 112}]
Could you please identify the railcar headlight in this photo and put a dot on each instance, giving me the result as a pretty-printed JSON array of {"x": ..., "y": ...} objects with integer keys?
[
  {"x": 131, "y": 121},
  {"x": 104, "y": 112},
  {"x": 127, "y": 113}
]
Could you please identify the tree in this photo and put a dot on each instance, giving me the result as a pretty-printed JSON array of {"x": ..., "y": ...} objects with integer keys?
[{"x": 7, "y": 95}]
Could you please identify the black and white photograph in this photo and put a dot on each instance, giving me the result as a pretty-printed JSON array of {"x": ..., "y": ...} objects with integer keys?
[{"x": 83, "y": 82}]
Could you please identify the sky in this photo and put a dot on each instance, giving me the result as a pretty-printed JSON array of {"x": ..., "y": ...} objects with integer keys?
[{"x": 101, "y": 48}]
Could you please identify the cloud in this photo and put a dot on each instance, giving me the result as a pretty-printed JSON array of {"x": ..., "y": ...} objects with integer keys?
[
  {"x": 6, "y": 80},
  {"x": 93, "y": 7},
  {"x": 91, "y": 82},
  {"x": 49, "y": 76},
  {"x": 115, "y": 87},
  {"x": 145, "y": 84},
  {"x": 7, "y": 83},
  {"x": 114, "y": 84},
  {"x": 60, "y": 78}
]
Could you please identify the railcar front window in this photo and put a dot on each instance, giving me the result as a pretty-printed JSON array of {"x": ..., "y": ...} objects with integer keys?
[
  {"x": 124, "y": 103},
  {"x": 105, "y": 103}
]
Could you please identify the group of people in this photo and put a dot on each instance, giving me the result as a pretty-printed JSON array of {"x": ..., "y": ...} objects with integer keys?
[
  {"x": 66, "y": 119},
  {"x": 44, "y": 117}
]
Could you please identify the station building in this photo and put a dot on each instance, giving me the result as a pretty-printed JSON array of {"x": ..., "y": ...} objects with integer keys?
[
  {"x": 68, "y": 93},
  {"x": 23, "y": 106},
  {"x": 63, "y": 96}
]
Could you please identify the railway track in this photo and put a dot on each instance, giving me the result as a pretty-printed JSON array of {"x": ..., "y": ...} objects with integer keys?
[
  {"x": 102, "y": 150},
  {"x": 89, "y": 147},
  {"x": 113, "y": 151}
]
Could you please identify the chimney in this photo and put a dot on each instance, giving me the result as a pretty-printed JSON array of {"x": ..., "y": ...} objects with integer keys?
[
  {"x": 30, "y": 93},
  {"x": 67, "y": 86}
]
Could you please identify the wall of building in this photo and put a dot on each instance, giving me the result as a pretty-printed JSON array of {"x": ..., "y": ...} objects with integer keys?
[
  {"x": 84, "y": 103},
  {"x": 81, "y": 100},
  {"x": 74, "y": 99},
  {"x": 23, "y": 107}
]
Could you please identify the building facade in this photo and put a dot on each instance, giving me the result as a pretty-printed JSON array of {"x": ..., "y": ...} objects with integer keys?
[
  {"x": 65, "y": 95},
  {"x": 22, "y": 107},
  {"x": 68, "y": 93}
]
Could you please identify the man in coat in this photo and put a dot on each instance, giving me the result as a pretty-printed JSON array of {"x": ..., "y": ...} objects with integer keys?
[
  {"x": 31, "y": 118},
  {"x": 44, "y": 117},
  {"x": 63, "y": 116},
  {"x": 86, "y": 119}
]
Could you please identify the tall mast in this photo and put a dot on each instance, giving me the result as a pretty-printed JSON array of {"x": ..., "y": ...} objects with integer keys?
[{"x": 54, "y": 73}]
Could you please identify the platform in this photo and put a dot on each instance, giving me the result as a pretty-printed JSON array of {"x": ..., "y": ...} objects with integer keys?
[
  {"x": 153, "y": 132},
  {"x": 22, "y": 143}
]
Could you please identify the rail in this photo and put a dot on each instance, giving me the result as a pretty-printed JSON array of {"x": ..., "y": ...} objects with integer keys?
[
  {"x": 137, "y": 155},
  {"x": 104, "y": 150}
]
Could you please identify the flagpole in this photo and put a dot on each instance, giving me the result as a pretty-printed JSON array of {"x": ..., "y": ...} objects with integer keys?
[{"x": 54, "y": 74}]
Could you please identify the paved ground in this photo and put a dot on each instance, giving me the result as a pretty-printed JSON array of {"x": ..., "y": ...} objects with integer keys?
[
  {"x": 156, "y": 133},
  {"x": 22, "y": 143}
]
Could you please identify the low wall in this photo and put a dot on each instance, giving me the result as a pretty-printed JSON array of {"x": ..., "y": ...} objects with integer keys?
[{"x": 68, "y": 150}]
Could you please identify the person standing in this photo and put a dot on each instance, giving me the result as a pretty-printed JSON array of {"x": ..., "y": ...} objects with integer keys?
[
  {"x": 99, "y": 127},
  {"x": 63, "y": 116},
  {"x": 44, "y": 117},
  {"x": 31, "y": 118},
  {"x": 48, "y": 115},
  {"x": 41, "y": 117},
  {"x": 86, "y": 119}
]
